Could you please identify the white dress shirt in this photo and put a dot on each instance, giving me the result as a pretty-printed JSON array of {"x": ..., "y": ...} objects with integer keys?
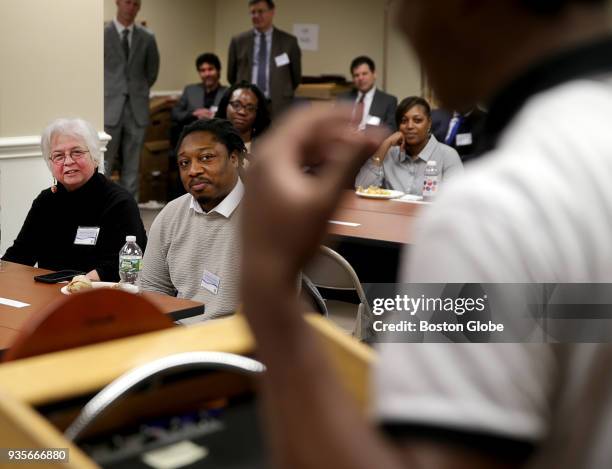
[
  {"x": 367, "y": 104},
  {"x": 120, "y": 29}
]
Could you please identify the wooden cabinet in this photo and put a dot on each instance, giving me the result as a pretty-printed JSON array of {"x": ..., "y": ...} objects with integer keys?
[{"x": 156, "y": 151}]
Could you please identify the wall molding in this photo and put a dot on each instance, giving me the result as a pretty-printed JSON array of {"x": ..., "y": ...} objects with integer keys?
[{"x": 28, "y": 146}]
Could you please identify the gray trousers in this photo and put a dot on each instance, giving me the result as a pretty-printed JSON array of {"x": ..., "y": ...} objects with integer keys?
[{"x": 129, "y": 136}]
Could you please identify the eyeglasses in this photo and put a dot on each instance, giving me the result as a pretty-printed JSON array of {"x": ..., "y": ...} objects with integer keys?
[
  {"x": 259, "y": 12},
  {"x": 238, "y": 106},
  {"x": 59, "y": 157}
]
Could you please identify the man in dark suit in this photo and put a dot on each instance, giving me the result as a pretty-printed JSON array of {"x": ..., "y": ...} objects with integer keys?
[
  {"x": 131, "y": 65},
  {"x": 371, "y": 106},
  {"x": 200, "y": 100},
  {"x": 266, "y": 56},
  {"x": 462, "y": 131}
]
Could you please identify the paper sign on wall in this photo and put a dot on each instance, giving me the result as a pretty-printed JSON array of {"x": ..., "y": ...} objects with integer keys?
[{"x": 307, "y": 36}]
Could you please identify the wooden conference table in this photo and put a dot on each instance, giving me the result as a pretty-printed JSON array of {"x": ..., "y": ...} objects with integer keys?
[
  {"x": 371, "y": 234},
  {"x": 381, "y": 224},
  {"x": 380, "y": 220},
  {"x": 17, "y": 283}
]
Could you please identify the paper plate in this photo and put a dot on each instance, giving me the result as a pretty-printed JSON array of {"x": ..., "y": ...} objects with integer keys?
[{"x": 125, "y": 287}]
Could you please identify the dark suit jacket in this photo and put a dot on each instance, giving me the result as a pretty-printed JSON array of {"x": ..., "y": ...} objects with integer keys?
[
  {"x": 283, "y": 80},
  {"x": 471, "y": 124},
  {"x": 383, "y": 106},
  {"x": 133, "y": 81},
  {"x": 192, "y": 99}
]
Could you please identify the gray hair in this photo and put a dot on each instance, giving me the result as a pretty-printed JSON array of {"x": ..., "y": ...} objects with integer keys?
[{"x": 78, "y": 128}]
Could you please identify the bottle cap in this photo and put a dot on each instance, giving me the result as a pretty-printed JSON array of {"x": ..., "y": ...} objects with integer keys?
[{"x": 130, "y": 238}]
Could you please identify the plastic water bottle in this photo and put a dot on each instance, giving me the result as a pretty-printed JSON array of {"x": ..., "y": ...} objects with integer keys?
[
  {"x": 431, "y": 181},
  {"x": 130, "y": 261}
]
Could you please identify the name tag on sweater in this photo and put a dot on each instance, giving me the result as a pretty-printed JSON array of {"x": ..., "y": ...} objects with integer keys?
[
  {"x": 87, "y": 235},
  {"x": 210, "y": 282}
]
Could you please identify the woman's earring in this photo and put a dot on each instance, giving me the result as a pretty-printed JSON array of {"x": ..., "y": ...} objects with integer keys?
[{"x": 54, "y": 186}]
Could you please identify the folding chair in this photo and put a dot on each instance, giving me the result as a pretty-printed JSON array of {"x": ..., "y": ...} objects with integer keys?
[{"x": 330, "y": 270}]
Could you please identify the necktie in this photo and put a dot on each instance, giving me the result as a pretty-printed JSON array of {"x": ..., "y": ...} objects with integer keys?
[
  {"x": 262, "y": 60},
  {"x": 125, "y": 43},
  {"x": 453, "y": 128},
  {"x": 358, "y": 111}
]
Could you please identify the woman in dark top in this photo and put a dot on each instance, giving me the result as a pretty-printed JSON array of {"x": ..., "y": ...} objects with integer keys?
[
  {"x": 245, "y": 106},
  {"x": 80, "y": 223}
]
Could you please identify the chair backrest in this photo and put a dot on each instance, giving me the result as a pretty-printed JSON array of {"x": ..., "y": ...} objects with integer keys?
[
  {"x": 330, "y": 270},
  {"x": 86, "y": 318},
  {"x": 311, "y": 297},
  {"x": 114, "y": 392}
]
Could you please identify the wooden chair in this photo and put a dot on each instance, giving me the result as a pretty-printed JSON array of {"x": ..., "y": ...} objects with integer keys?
[{"x": 86, "y": 318}]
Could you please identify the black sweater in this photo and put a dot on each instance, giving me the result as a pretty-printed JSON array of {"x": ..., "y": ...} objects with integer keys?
[{"x": 48, "y": 233}]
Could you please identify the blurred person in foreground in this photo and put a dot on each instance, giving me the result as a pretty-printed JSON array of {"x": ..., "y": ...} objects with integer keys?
[
  {"x": 244, "y": 105},
  {"x": 400, "y": 162},
  {"x": 194, "y": 243},
  {"x": 81, "y": 222},
  {"x": 513, "y": 217}
]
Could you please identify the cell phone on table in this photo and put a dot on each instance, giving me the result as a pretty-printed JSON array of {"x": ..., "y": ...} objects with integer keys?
[{"x": 58, "y": 276}]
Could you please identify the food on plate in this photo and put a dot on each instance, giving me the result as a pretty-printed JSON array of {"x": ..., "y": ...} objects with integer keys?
[
  {"x": 78, "y": 283},
  {"x": 373, "y": 190},
  {"x": 123, "y": 286}
]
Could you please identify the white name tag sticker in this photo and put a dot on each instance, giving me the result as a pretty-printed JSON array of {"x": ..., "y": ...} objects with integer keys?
[
  {"x": 463, "y": 139},
  {"x": 87, "y": 235},
  {"x": 282, "y": 60},
  {"x": 210, "y": 282},
  {"x": 175, "y": 456},
  {"x": 373, "y": 120}
]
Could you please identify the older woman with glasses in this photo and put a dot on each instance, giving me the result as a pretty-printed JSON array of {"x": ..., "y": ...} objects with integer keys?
[
  {"x": 80, "y": 222},
  {"x": 245, "y": 106}
]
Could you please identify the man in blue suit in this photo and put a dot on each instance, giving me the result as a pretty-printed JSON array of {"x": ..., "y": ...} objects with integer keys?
[{"x": 460, "y": 130}]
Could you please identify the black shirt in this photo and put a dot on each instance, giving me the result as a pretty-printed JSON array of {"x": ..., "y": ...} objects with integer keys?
[
  {"x": 48, "y": 233},
  {"x": 210, "y": 97}
]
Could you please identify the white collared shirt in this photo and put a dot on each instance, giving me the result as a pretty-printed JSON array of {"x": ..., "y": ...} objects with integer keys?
[
  {"x": 119, "y": 27},
  {"x": 227, "y": 206},
  {"x": 367, "y": 104}
]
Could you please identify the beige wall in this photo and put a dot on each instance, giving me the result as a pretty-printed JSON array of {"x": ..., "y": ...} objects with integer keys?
[
  {"x": 403, "y": 69},
  {"x": 53, "y": 66},
  {"x": 183, "y": 29},
  {"x": 347, "y": 28}
]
